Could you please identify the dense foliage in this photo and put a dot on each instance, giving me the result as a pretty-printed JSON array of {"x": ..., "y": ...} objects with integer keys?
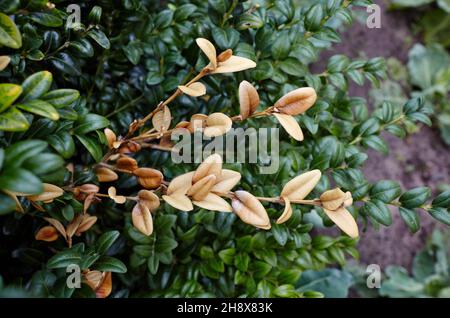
[{"x": 64, "y": 85}]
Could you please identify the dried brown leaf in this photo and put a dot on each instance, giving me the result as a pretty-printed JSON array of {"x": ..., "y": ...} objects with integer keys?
[
  {"x": 119, "y": 199},
  {"x": 290, "y": 125},
  {"x": 333, "y": 199},
  {"x": 162, "y": 119},
  {"x": 178, "y": 201},
  {"x": 234, "y": 64},
  {"x": 149, "y": 178},
  {"x": 202, "y": 187},
  {"x": 210, "y": 51},
  {"x": 57, "y": 226},
  {"x": 142, "y": 219},
  {"x": 105, "y": 174},
  {"x": 344, "y": 220},
  {"x": 287, "y": 213},
  {"x": 217, "y": 124},
  {"x": 250, "y": 210},
  {"x": 47, "y": 233},
  {"x": 195, "y": 89},
  {"x": 297, "y": 102},
  {"x": 227, "y": 180},
  {"x": 248, "y": 99},
  {"x": 180, "y": 184},
  {"x": 50, "y": 192},
  {"x": 111, "y": 138},
  {"x": 149, "y": 199},
  {"x": 127, "y": 163},
  {"x": 299, "y": 187},
  {"x": 213, "y": 202},
  {"x": 105, "y": 288},
  {"x": 211, "y": 165}
]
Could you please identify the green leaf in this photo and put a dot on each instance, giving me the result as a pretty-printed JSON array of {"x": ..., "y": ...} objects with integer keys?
[
  {"x": 280, "y": 234},
  {"x": 35, "y": 55},
  {"x": 21, "y": 181},
  {"x": 64, "y": 259},
  {"x": 165, "y": 244},
  {"x": 16, "y": 154},
  {"x": 92, "y": 146},
  {"x": 106, "y": 240},
  {"x": 46, "y": 19},
  {"x": 9, "y": 33},
  {"x": 337, "y": 63},
  {"x": 13, "y": 120},
  {"x": 82, "y": 47},
  {"x": 227, "y": 255},
  {"x": 8, "y": 94},
  {"x": 61, "y": 97},
  {"x": 39, "y": 107},
  {"x": 90, "y": 122},
  {"x": 110, "y": 264},
  {"x": 415, "y": 197},
  {"x": 225, "y": 38},
  {"x": 411, "y": 218},
  {"x": 377, "y": 143},
  {"x": 66, "y": 64},
  {"x": 379, "y": 211},
  {"x": 314, "y": 16},
  {"x": 442, "y": 200},
  {"x": 36, "y": 85},
  {"x": 43, "y": 164},
  {"x": 153, "y": 264},
  {"x": 385, "y": 191},
  {"x": 63, "y": 143},
  {"x": 281, "y": 47},
  {"x": 440, "y": 214},
  {"x": 333, "y": 283},
  {"x": 99, "y": 37},
  {"x": 293, "y": 67},
  {"x": 133, "y": 51},
  {"x": 263, "y": 70},
  {"x": 7, "y": 204}
]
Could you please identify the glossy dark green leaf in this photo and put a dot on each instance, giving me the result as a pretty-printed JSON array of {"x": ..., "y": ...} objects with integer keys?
[
  {"x": 377, "y": 143},
  {"x": 66, "y": 64},
  {"x": 442, "y": 200},
  {"x": 411, "y": 219},
  {"x": 9, "y": 33},
  {"x": 48, "y": 19},
  {"x": 16, "y": 154},
  {"x": 21, "y": 181},
  {"x": 92, "y": 146},
  {"x": 99, "y": 37},
  {"x": 106, "y": 240},
  {"x": 379, "y": 211},
  {"x": 39, "y": 107},
  {"x": 13, "y": 120},
  {"x": 314, "y": 16},
  {"x": 415, "y": 197},
  {"x": 61, "y": 97},
  {"x": 110, "y": 264},
  {"x": 64, "y": 258},
  {"x": 90, "y": 122},
  {"x": 440, "y": 214},
  {"x": 63, "y": 143},
  {"x": 385, "y": 191},
  {"x": 36, "y": 85},
  {"x": 82, "y": 47}
]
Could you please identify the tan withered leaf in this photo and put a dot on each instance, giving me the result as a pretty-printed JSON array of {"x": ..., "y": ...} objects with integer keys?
[
  {"x": 4, "y": 61},
  {"x": 50, "y": 192},
  {"x": 198, "y": 122},
  {"x": 299, "y": 187},
  {"x": 149, "y": 178},
  {"x": 179, "y": 201},
  {"x": 142, "y": 219},
  {"x": 127, "y": 163},
  {"x": 225, "y": 55},
  {"x": 234, "y": 64},
  {"x": 290, "y": 125},
  {"x": 211, "y": 165},
  {"x": 13, "y": 196},
  {"x": 250, "y": 210},
  {"x": 149, "y": 199},
  {"x": 297, "y": 102},
  {"x": 344, "y": 220},
  {"x": 47, "y": 233},
  {"x": 210, "y": 51},
  {"x": 119, "y": 199},
  {"x": 93, "y": 279},
  {"x": 248, "y": 99},
  {"x": 333, "y": 199},
  {"x": 213, "y": 202},
  {"x": 287, "y": 213},
  {"x": 105, "y": 288},
  {"x": 195, "y": 89},
  {"x": 180, "y": 184},
  {"x": 73, "y": 225},
  {"x": 110, "y": 137},
  {"x": 105, "y": 174},
  {"x": 217, "y": 124},
  {"x": 58, "y": 226},
  {"x": 89, "y": 188},
  {"x": 86, "y": 223},
  {"x": 90, "y": 198},
  {"x": 227, "y": 180},
  {"x": 202, "y": 187},
  {"x": 161, "y": 120}
]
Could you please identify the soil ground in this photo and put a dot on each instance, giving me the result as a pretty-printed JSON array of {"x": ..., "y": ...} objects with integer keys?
[{"x": 421, "y": 159}]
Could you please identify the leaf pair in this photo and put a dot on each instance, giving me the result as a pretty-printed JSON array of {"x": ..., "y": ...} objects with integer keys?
[
  {"x": 100, "y": 282},
  {"x": 141, "y": 215},
  {"x": 226, "y": 62}
]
